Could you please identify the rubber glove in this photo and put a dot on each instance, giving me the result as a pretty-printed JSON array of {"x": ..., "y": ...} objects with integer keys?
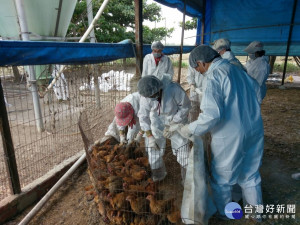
[
  {"x": 152, "y": 143},
  {"x": 192, "y": 87},
  {"x": 167, "y": 133},
  {"x": 139, "y": 136},
  {"x": 122, "y": 139},
  {"x": 185, "y": 132}
]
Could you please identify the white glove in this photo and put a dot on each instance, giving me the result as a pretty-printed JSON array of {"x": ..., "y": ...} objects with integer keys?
[
  {"x": 186, "y": 133},
  {"x": 192, "y": 87},
  {"x": 167, "y": 133},
  {"x": 198, "y": 91},
  {"x": 138, "y": 137},
  {"x": 152, "y": 143},
  {"x": 122, "y": 140},
  {"x": 169, "y": 130}
]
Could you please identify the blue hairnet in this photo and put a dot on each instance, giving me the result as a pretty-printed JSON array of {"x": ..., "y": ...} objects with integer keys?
[
  {"x": 149, "y": 85},
  {"x": 202, "y": 53},
  {"x": 157, "y": 45}
]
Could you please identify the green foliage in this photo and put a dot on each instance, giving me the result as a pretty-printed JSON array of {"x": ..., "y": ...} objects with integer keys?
[
  {"x": 183, "y": 64},
  {"x": 289, "y": 67},
  {"x": 190, "y": 25},
  {"x": 117, "y": 21}
]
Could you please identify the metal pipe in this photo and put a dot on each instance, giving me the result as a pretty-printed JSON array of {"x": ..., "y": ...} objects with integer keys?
[
  {"x": 32, "y": 78},
  {"x": 58, "y": 17},
  {"x": 93, "y": 40},
  {"x": 289, "y": 41},
  {"x": 8, "y": 147},
  {"x": 139, "y": 37},
  {"x": 42, "y": 202},
  {"x": 181, "y": 45},
  {"x": 82, "y": 39}
]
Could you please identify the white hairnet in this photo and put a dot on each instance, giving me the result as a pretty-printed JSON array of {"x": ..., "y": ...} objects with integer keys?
[
  {"x": 202, "y": 53},
  {"x": 221, "y": 43},
  {"x": 157, "y": 45},
  {"x": 254, "y": 46},
  {"x": 149, "y": 85}
]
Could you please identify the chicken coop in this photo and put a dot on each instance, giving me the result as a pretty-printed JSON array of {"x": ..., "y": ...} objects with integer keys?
[{"x": 122, "y": 184}]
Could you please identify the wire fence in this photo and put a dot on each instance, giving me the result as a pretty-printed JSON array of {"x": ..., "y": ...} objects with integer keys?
[{"x": 37, "y": 153}]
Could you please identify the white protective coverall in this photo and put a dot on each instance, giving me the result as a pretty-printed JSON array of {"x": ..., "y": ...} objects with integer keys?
[
  {"x": 198, "y": 80},
  {"x": 232, "y": 59},
  {"x": 174, "y": 107},
  {"x": 231, "y": 112},
  {"x": 61, "y": 86},
  {"x": 164, "y": 66},
  {"x": 259, "y": 69},
  {"x": 113, "y": 129}
]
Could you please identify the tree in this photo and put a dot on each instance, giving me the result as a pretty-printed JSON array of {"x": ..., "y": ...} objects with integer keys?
[
  {"x": 190, "y": 25},
  {"x": 117, "y": 21}
]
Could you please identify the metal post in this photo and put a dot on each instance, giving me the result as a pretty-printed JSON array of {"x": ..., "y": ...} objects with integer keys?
[
  {"x": 181, "y": 45},
  {"x": 93, "y": 40},
  {"x": 139, "y": 36},
  {"x": 289, "y": 41},
  {"x": 58, "y": 17},
  {"x": 9, "y": 152},
  {"x": 32, "y": 78}
]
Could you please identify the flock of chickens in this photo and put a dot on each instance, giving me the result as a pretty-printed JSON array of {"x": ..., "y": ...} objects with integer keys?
[{"x": 125, "y": 192}]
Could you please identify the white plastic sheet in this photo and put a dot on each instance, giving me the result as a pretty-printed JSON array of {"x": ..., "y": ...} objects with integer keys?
[
  {"x": 113, "y": 80},
  {"x": 197, "y": 205}
]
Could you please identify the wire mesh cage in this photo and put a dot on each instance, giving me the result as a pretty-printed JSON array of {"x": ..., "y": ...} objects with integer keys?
[
  {"x": 94, "y": 88},
  {"x": 135, "y": 184}
]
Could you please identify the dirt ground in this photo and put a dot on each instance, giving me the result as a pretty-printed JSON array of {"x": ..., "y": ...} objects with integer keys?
[{"x": 281, "y": 113}]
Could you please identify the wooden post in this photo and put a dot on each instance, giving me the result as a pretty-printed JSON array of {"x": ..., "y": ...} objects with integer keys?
[
  {"x": 9, "y": 152},
  {"x": 181, "y": 45}
]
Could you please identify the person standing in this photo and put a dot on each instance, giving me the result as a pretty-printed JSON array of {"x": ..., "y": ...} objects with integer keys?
[
  {"x": 157, "y": 63},
  {"x": 258, "y": 65},
  {"x": 231, "y": 112}
]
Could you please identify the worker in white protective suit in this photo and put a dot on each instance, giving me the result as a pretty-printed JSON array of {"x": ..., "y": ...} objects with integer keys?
[
  {"x": 157, "y": 63},
  {"x": 197, "y": 86},
  {"x": 60, "y": 87},
  {"x": 222, "y": 46},
  {"x": 231, "y": 112},
  {"x": 126, "y": 116},
  {"x": 258, "y": 65},
  {"x": 171, "y": 105}
]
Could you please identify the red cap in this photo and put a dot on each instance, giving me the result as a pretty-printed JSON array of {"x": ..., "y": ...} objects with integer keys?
[{"x": 124, "y": 113}]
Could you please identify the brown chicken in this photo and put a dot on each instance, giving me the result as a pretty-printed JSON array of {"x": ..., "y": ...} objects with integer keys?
[
  {"x": 160, "y": 207},
  {"x": 151, "y": 187},
  {"x": 116, "y": 186},
  {"x": 139, "y": 205},
  {"x": 138, "y": 174},
  {"x": 117, "y": 201},
  {"x": 104, "y": 195},
  {"x": 174, "y": 215},
  {"x": 129, "y": 180},
  {"x": 118, "y": 218},
  {"x": 143, "y": 161}
]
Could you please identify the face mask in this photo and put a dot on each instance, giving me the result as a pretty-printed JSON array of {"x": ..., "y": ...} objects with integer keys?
[
  {"x": 226, "y": 55},
  {"x": 156, "y": 55},
  {"x": 252, "y": 56}
]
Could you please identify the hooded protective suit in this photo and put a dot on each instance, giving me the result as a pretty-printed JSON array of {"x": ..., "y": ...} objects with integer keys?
[
  {"x": 231, "y": 112},
  {"x": 259, "y": 69},
  {"x": 113, "y": 129},
  {"x": 198, "y": 80},
  {"x": 174, "y": 107},
  {"x": 232, "y": 59},
  {"x": 164, "y": 66}
]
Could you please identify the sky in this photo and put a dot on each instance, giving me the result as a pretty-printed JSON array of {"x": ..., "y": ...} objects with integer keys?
[{"x": 171, "y": 18}]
